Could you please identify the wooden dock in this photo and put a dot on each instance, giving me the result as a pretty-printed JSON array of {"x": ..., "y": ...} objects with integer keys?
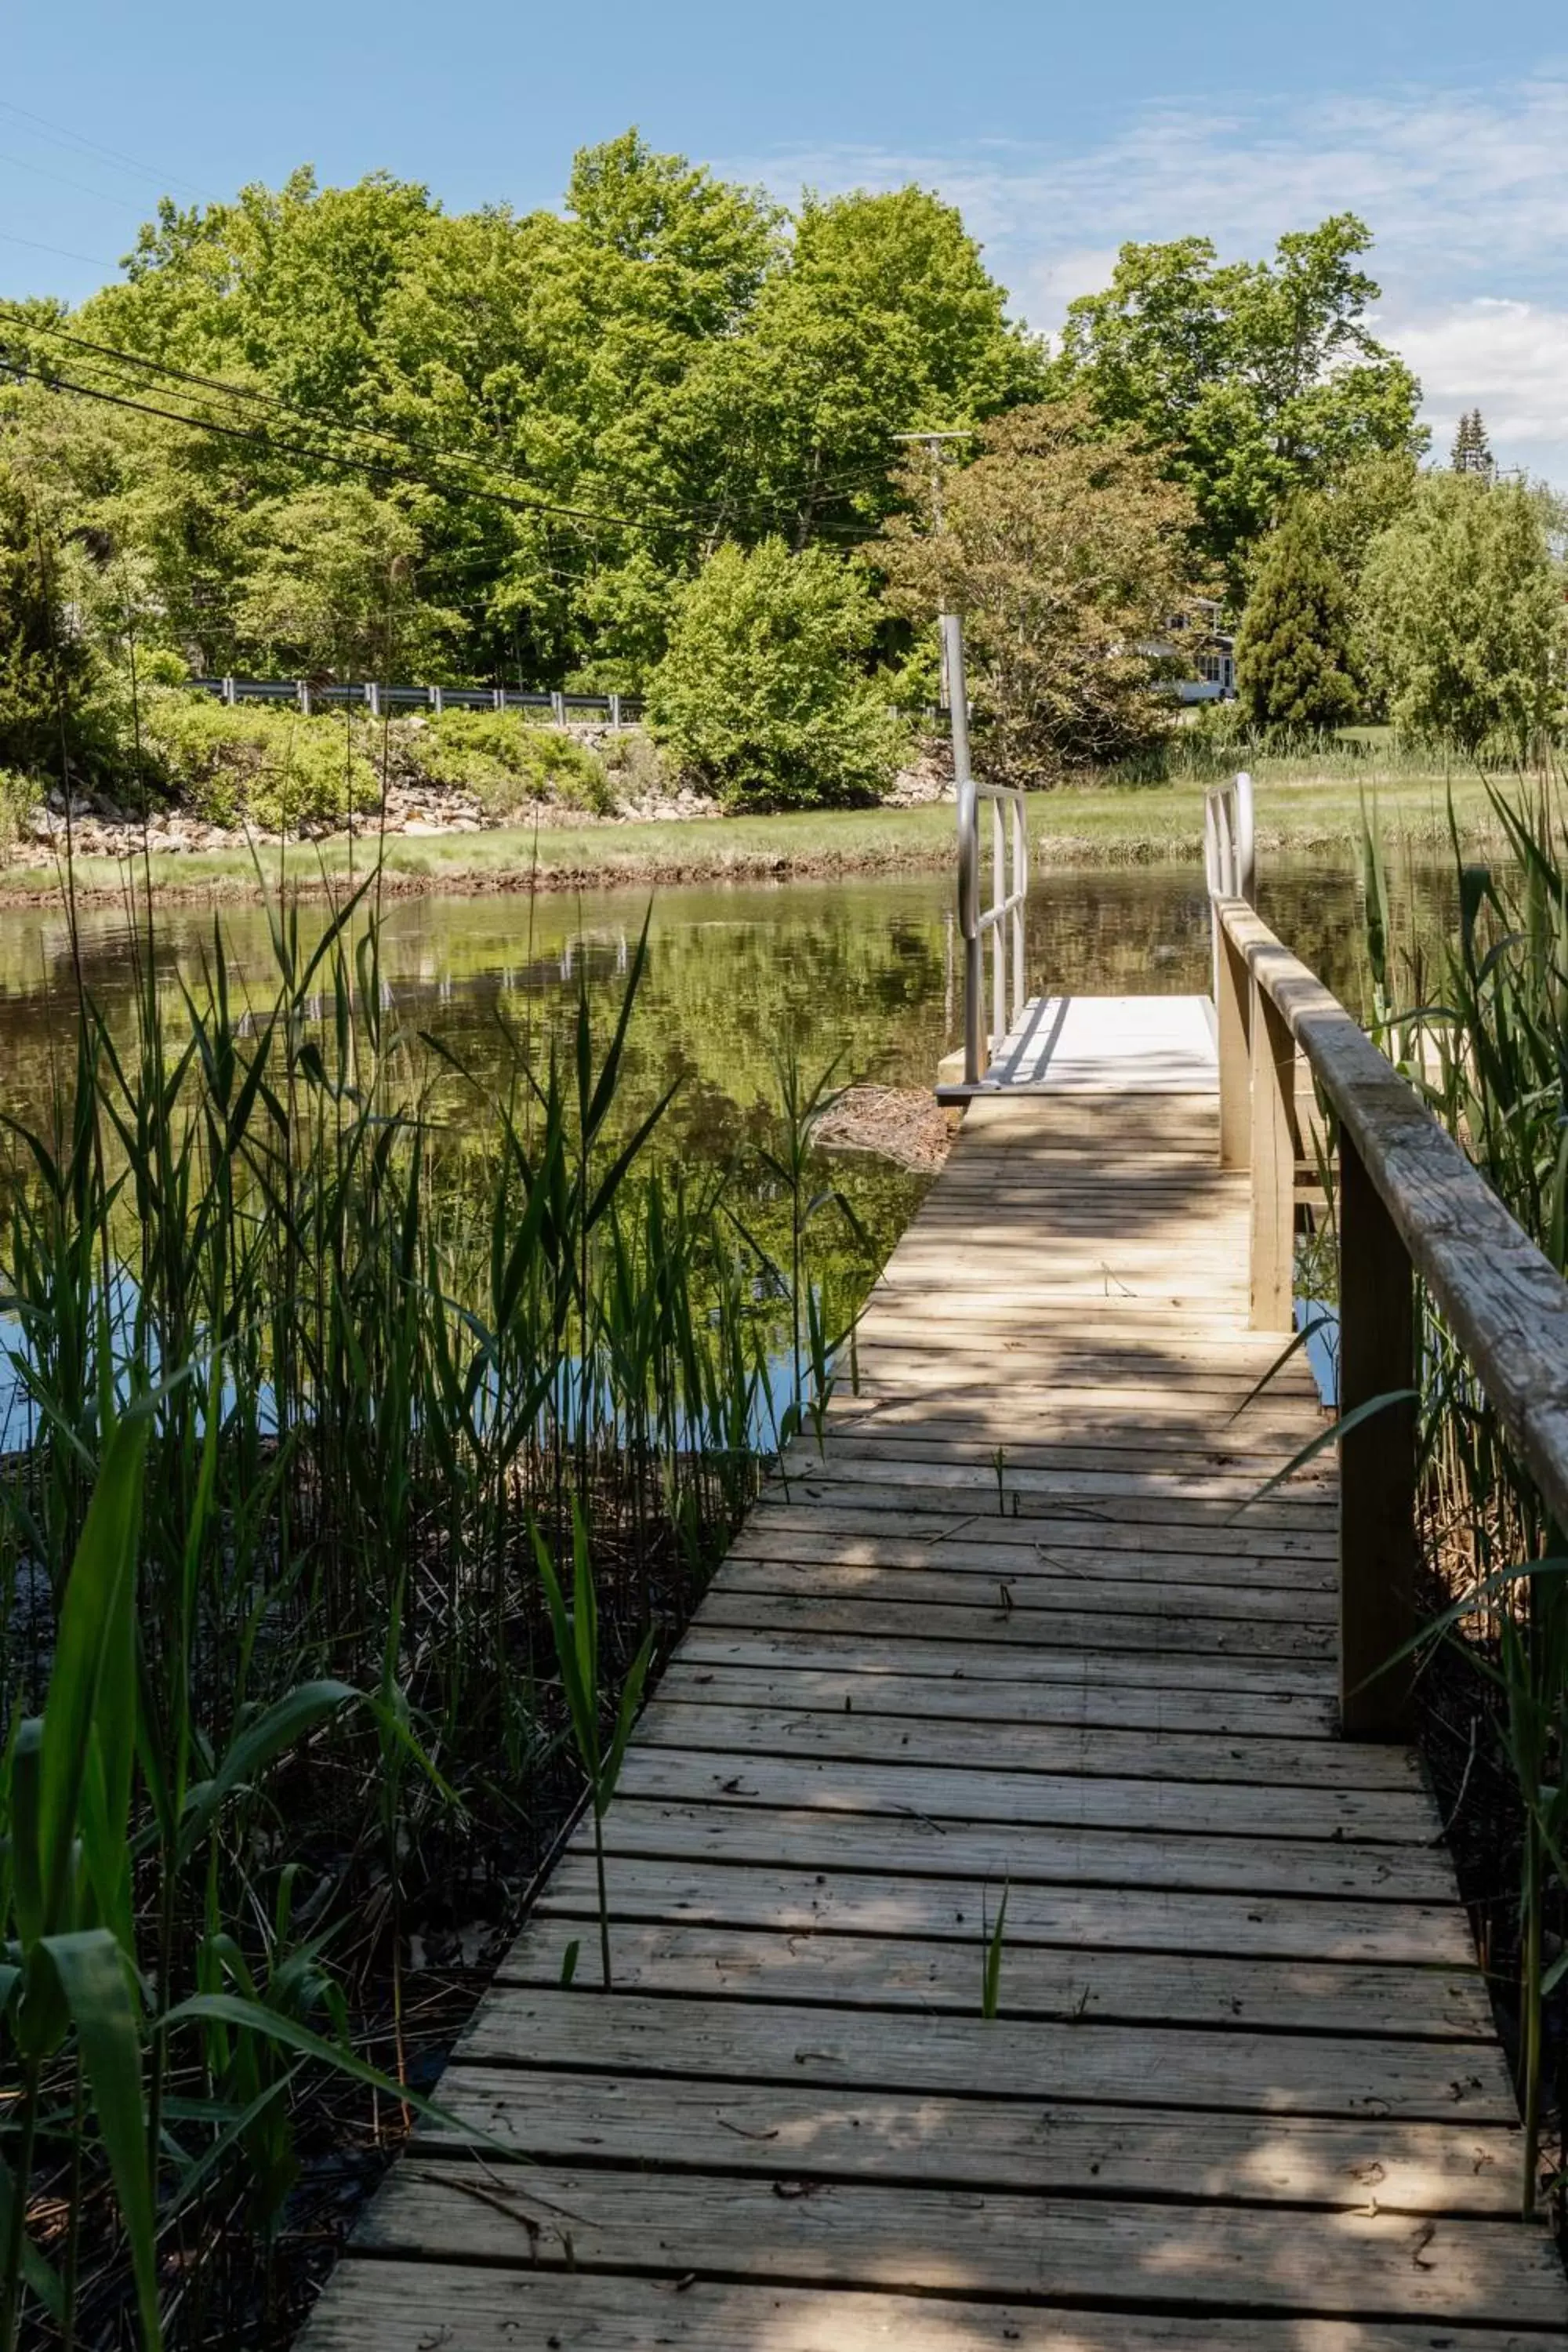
[{"x": 1022, "y": 1629}]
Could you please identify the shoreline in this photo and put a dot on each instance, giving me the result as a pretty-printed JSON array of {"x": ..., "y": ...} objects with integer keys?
[{"x": 1151, "y": 825}]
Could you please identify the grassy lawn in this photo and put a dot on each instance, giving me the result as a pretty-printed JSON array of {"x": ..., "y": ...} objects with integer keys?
[{"x": 1120, "y": 824}]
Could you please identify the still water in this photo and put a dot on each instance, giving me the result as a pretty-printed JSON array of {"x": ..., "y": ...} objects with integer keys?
[
  {"x": 866, "y": 971},
  {"x": 866, "y": 975}
]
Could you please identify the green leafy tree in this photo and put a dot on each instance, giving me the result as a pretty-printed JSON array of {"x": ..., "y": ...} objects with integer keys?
[
  {"x": 883, "y": 318},
  {"x": 1260, "y": 379},
  {"x": 1464, "y": 603},
  {"x": 330, "y": 590},
  {"x": 1295, "y": 656},
  {"x": 763, "y": 692},
  {"x": 46, "y": 671},
  {"x": 1069, "y": 554},
  {"x": 572, "y": 408}
]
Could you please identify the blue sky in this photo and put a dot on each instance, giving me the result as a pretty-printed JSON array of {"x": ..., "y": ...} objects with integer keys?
[{"x": 1060, "y": 131}]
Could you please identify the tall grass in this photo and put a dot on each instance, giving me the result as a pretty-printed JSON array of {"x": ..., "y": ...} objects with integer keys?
[
  {"x": 326, "y": 1342},
  {"x": 1478, "y": 1023},
  {"x": 1209, "y": 747}
]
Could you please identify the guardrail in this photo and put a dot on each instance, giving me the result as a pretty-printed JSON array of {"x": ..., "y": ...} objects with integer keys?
[
  {"x": 620, "y": 710},
  {"x": 1410, "y": 1206},
  {"x": 1003, "y": 920}
]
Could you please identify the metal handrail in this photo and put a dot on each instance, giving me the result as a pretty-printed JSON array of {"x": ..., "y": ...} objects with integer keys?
[{"x": 1003, "y": 917}]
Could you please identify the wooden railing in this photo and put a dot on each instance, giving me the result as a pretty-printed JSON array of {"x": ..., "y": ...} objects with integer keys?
[{"x": 1410, "y": 1205}]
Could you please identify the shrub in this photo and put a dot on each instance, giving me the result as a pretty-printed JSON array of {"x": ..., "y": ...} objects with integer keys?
[
  {"x": 19, "y": 796},
  {"x": 506, "y": 762},
  {"x": 763, "y": 691},
  {"x": 255, "y": 763},
  {"x": 636, "y": 766}
]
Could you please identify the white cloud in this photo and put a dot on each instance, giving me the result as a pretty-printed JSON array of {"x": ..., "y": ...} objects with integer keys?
[
  {"x": 1510, "y": 359},
  {"x": 1466, "y": 194}
]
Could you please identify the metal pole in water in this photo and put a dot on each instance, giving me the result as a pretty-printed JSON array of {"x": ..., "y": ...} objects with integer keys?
[{"x": 951, "y": 629}]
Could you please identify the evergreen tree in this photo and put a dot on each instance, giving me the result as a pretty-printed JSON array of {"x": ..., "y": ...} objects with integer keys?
[
  {"x": 1294, "y": 659},
  {"x": 1472, "y": 451}
]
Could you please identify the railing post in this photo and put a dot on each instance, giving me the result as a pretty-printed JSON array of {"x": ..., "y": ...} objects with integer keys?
[
  {"x": 1233, "y": 985},
  {"x": 1243, "y": 844},
  {"x": 1020, "y": 886},
  {"x": 1377, "y": 1460},
  {"x": 999, "y": 928},
  {"x": 1273, "y": 1153},
  {"x": 968, "y": 849}
]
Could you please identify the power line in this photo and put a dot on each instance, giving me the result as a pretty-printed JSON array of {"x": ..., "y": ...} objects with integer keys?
[
  {"x": 709, "y": 511},
  {"x": 60, "y": 136},
  {"x": 265, "y": 442},
  {"x": 63, "y": 179},
  {"x": 63, "y": 252}
]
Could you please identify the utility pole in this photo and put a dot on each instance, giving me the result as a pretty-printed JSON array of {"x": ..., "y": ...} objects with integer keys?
[
  {"x": 955, "y": 695},
  {"x": 968, "y": 851},
  {"x": 934, "y": 444}
]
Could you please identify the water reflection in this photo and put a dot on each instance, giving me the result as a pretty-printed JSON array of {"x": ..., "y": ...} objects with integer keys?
[{"x": 862, "y": 969}]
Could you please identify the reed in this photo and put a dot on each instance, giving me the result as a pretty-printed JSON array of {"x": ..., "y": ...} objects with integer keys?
[
  {"x": 337, "y": 1361},
  {"x": 1477, "y": 1021}
]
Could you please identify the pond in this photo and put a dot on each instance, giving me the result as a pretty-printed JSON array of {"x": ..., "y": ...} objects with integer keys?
[{"x": 864, "y": 972}]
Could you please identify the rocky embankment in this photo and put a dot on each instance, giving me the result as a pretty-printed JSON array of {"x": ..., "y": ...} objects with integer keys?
[{"x": 96, "y": 826}]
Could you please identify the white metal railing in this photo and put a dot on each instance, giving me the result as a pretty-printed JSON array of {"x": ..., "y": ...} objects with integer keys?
[{"x": 1003, "y": 917}]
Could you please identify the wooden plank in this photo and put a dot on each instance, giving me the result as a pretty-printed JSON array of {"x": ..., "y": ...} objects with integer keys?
[
  {"x": 1163, "y": 1806},
  {"x": 1202, "y": 1471},
  {"x": 983, "y": 1662},
  {"x": 1177, "y": 1537},
  {"x": 1039, "y": 1981},
  {"x": 1034, "y": 1494},
  {"x": 989, "y": 1549},
  {"x": 1029, "y": 1587},
  {"x": 977, "y": 1417},
  {"x": 828, "y": 1840},
  {"x": 1310, "y": 1497},
  {"x": 922, "y": 1431},
  {"x": 1037, "y": 2146},
  {"x": 1243, "y": 2259},
  {"x": 383, "y": 2306},
  {"x": 1087, "y": 1919},
  {"x": 1203, "y": 1456},
  {"x": 1257, "y": 2074},
  {"x": 949, "y": 1709},
  {"x": 821, "y": 1614},
  {"x": 759, "y": 1716}
]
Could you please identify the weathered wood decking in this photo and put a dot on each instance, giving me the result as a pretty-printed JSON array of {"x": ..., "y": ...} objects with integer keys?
[{"x": 1243, "y": 2089}]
